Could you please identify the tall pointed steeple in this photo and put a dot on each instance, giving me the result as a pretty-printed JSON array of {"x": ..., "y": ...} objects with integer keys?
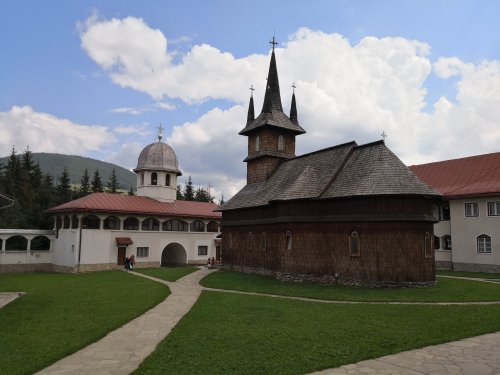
[
  {"x": 293, "y": 108},
  {"x": 251, "y": 111},
  {"x": 272, "y": 99}
]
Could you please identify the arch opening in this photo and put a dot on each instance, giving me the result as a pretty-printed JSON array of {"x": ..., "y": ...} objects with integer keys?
[{"x": 173, "y": 254}]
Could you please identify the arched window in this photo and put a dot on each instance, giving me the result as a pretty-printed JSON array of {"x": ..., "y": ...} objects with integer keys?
[
  {"x": 428, "y": 245},
  {"x": 59, "y": 222},
  {"x": 16, "y": 243},
  {"x": 197, "y": 226},
  {"x": 354, "y": 244},
  {"x": 74, "y": 222},
  {"x": 257, "y": 143},
  {"x": 142, "y": 178},
  {"x": 167, "y": 179},
  {"x": 154, "y": 178},
  {"x": 151, "y": 224},
  {"x": 66, "y": 222},
  {"x": 213, "y": 226},
  {"x": 91, "y": 222},
  {"x": 112, "y": 222},
  {"x": 288, "y": 236},
  {"x": 281, "y": 143},
  {"x": 484, "y": 244},
  {"x": 175, "y": 225},
  {"x": 40, "y": 243},
  {"x": 131, "y": 223}
]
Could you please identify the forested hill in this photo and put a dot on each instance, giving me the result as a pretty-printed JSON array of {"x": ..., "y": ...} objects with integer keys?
[{"x": 54, "y": 164}]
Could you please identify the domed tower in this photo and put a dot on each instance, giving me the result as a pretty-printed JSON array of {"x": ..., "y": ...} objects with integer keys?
[{"x": 157, "y": 170}]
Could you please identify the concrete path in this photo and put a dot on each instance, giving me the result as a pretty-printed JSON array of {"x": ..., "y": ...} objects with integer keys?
[
  {"x": 123, "y": 350},
  {"x": 7, "y": 297},
  {"x": 472, "y": 356}
]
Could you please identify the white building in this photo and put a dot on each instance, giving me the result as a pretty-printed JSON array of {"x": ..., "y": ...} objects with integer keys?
[{"x": 98, "y": 231}]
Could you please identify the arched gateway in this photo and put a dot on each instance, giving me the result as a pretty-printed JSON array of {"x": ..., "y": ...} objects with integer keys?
[{"x": 173, "y": 254}]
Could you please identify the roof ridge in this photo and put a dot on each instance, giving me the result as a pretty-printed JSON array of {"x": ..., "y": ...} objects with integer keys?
[
  {"x": 457, "y": 159},
  {"x": 381, "y": 141},
  {"x": 322, "y": 150},
  {"x": 340, "y": 169}
]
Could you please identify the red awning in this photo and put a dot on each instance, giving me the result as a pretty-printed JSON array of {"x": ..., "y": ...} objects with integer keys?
[{"x": 123, "y": 241}]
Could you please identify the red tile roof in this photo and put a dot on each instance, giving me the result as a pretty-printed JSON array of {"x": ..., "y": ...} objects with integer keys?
[
  {"x": 131, "y": 204},
  {"x": 123, "y": 241},
  {"x": 475, "y": 175}
]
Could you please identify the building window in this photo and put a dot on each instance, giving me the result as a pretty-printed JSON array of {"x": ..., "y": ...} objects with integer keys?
[
  {"x": 263, "y": 242},
  {"x": 111, "y": 222},
  {"x": 493, "y": 208},
  {"x": 154, "y": 178},
  {"x": 202, "y": 250},
  {"x": 91, "y": 222},
  {"x": 281, "y": 143},
  {"x": 167, "y": 180},
  {"x": 257, "y": 143},
  {"x": 471, "y": 209},
  {"x": 67, "y": 222},
  {"x": 16, "y": 243},
  {"x": 354, "y": 244},
  {"x": 150, "y": 224},
  {"x": 40, "y": 243},
  {"x": 437, "y": 243},
  {"x": 142, "y": 252},
  {"x": 288, "y": 236},
  {"x": 213, "y": 227},
  {"x": 74, "y": 222},
  {"x": 58, "y": 222},
  {"x": 174, "y": 225},
  {"x": 484, "y": 244},
  {"x": 131, "y": 223},
  {"x": 142, "y": 178},
  {"x": 197, "y": 226},
  {"x": 445, "y": 212},
  {"x": 427, "y": 245},
  {"x": 446, "y": 242}
]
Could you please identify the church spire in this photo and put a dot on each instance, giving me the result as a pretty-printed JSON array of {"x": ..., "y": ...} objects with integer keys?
[
  {"x": 272, "y": 99},
  {"x": 293, "y": 108},
  {"x": 251, "y": 111}
]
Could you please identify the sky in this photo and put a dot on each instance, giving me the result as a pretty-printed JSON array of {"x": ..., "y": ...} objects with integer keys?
[{"x": 97, "y": 78}]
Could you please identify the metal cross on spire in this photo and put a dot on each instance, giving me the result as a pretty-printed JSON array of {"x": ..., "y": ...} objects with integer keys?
[
  {"x": 383, "y": 135},
  {"x": 273, "y": 42},
  {"x": 160, "y": 132},
  {"x": 251, "y": 90},
  {"x": 293, "y": 87}
]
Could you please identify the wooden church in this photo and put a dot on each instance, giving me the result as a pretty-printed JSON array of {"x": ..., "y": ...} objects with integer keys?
[{"x": 349, "y": 214}]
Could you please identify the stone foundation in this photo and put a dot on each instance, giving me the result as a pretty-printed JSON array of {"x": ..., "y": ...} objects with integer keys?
[
  {"x": 146, "y": 265},
  {"x": 473, "y": 267},
  {"x": 328, "y": 279},
  {"x": 443, "y": 265},
  {"x": 25, "y": 268}
]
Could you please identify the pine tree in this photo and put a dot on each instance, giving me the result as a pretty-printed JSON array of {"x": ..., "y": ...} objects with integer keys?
[
  {"x": 112, "y": 185},
  {"x": 63, "y": 189},
  {"x": 179, "y": 193},
  {"x": 131, "y": 191},
  {"x": 96, "y": 182},
  {"x": 189, "y": 190},
  {"x": 84, "y": 184}
]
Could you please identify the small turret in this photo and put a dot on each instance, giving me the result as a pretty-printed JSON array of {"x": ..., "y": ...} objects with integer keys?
[
  {"x": 251, "y": 111},
  {"x": 293, "y": 108}
]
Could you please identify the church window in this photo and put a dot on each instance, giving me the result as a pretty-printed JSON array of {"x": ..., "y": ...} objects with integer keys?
[
  {"x": 131, "y": 223},
  {"x": 142, "y": 178},
  {"x": 91, "y": 222},
  {"x": 437, "y": 243},
  {"x": 175, "y": 225},
  {"x": 111, "y": 222},
  {"x": 197, "y": 226},
  {"x": 281, "y": 143},
  {"x": 213, "y": 226},
  {"x": 143, "y": 252},
  {"x": 151, "y": 224},
  {"x": 40, "y": 243},
  {"x": 66, "y": 222},
  {"x": 354, "y": 244},
  {"x": 167, "y": 180},
  {"x": 74, "y": 222},
  {"x": 263, "y": 242},
  {"x": 202, "y": 250},
  {"x": 428, "y": 245},
  {"x": 288, "y": 236},
  {"x": 484, "y": 244},
  {"x": 257, "y": 143},
  {"x": 16, "y": 243},
  {"x": 154, "y": 178}
]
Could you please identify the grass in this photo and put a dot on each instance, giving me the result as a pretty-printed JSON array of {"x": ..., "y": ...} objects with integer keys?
[
  {"x": 447, "y": 290},
  {"x": 62, "y": 313},
  {"x": 240, "y": 334},
  {"x": 480, "y": 275},
  {"x": 167, "y": 273}
]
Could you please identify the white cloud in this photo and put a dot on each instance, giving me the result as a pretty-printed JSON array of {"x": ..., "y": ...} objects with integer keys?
[
  {"x": 43, "y": 132},
  {"x": 129, "y": 110}
]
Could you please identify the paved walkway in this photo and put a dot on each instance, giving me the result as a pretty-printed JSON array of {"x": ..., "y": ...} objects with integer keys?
[
  {"x": 123, "y": 350},
  {"x": 7, "y": 297}
]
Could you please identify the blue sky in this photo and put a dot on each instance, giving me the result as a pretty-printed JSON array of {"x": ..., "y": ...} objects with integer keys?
[{"x": 425, "y": 72}]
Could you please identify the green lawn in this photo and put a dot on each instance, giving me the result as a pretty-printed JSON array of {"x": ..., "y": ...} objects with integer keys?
[
  {"x": 446, "y": 289},
  {"x": 61, "y": 313},
  {"x": 167, "y": 273},
  {"x": 481, "y": 275},
  {"x": 240, "y": 334}
]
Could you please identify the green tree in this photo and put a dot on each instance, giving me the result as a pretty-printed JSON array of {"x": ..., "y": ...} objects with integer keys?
[
  {"x": 84, "y": 184},
  {"x": 97, "y": 182},
  {"x": 179, "y": 193},
  {"x": 131, "y": 191},
  {"x": 64, "y": 193},
  {"x": 112, "y": 185},
  {"x": 189, "y": 190}
]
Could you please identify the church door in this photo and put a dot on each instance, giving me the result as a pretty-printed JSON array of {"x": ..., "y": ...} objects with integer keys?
[{"x": 122, "y": 250}]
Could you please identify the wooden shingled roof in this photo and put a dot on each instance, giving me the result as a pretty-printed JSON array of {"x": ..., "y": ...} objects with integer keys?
[
  {"x": 128, "y": 204},
  {"x": 343, "y": 171},
  {"x": 470, "y": 176}
]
